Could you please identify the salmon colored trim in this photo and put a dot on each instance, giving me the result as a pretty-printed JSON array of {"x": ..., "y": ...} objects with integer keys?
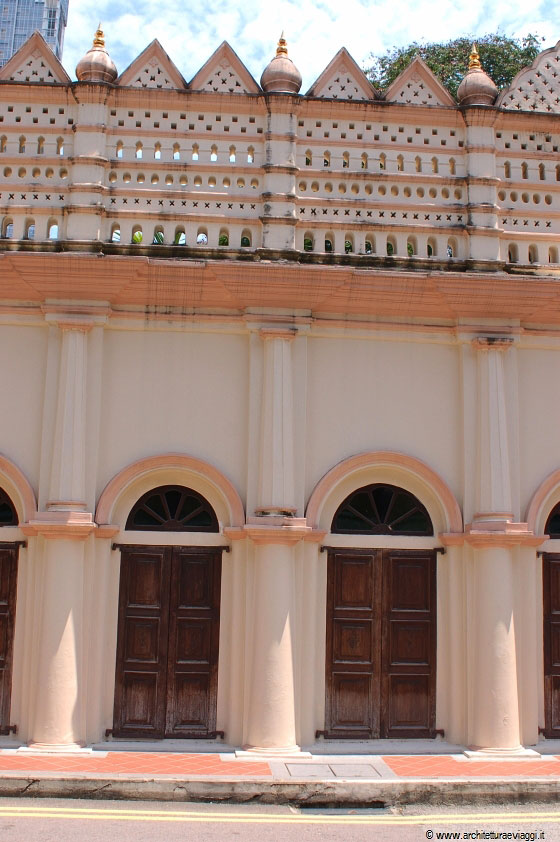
[
  {"x": 279, "y": 535},
  {"x": 384, "y": 458},
  {"x": 539, "y": 498},
  {"x": 481, "y": 540},
  {"x": 236, "y": 286},
  {"x": 27, "y": 500},
  {"x": 168, "y": 461}
]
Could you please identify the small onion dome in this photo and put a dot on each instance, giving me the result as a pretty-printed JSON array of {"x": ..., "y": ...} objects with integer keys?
[
  {"x": 477, "y": 88},
  {"x": 97, "y": 65},
  {"x": 281, "y": 76}
]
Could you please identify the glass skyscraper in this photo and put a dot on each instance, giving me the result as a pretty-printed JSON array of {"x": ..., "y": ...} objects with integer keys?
[{"x": 20, "y": 18}]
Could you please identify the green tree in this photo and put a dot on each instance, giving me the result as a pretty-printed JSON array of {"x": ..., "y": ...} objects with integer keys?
[{"x": 501, "y": 57}]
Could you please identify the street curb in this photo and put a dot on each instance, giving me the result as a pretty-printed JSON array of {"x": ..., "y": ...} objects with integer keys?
[{"x": 314, "y": 793}]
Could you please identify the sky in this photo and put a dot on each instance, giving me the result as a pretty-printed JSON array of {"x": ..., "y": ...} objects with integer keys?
[{"x": 190, "y": 30}]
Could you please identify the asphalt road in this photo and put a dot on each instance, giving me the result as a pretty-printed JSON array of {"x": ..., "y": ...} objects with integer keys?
[{"x": 50, "y": 820}]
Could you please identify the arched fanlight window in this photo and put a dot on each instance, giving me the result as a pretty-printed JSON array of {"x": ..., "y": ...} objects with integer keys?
[
  {"x": 552, "y": 527},
  {"x": 8, "y": 514},
  {"x": 173, "y": 508},
  {"x": 382, "y": 510}
]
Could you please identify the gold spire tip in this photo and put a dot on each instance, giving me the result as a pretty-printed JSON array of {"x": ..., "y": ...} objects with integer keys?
[
  {"x": 282, "y": 48},
  {"x": 99, "y": 39},
  {"x": 474, "y": 59}
]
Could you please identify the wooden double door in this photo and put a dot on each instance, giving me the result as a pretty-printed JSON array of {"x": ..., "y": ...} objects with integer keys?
[
  {"x": 8, "y": 593},
  {"x": 167, "y": 646},
  {"x": 551, "y": 618},
  {"x": 381, "y": 644}
]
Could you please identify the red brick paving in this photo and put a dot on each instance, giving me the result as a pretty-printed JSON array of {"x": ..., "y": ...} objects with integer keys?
[
  {"x": 442, "y": 766},
  {"x": 134, "y": 762},
  {"x": 195, "y": 765}
]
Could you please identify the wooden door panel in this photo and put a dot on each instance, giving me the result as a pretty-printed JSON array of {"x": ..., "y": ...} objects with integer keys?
[
  {"x": 554, "y": 586},
  {"x": 353, "y": 634},
  {"x": 190, "y": 707},
  {"x": 142, "y": 640},
  {"x": 352, "y": 642},
  {"x": 551, "y": 641},
  {"x": 555, "y": 645},
  {"x": 141, "y": 669},
  {"x": 140, "y": 701},
  {"x": 353, "y": 583},
  {"x": 8, "y": 595},
  {"x": 145, "y": 580},
  {"x": 4, "y": 639},
  {"x": 409, "y": 644},
  {"x": 195, "y": 582},
  {"x": 409, "y": 583},
  {"x": 193, "y": 641},
  {"x": 352, "y": 708},
  {"x": 6, "y": 575},
  {"x": 554, "y": 727},
  {"x": 408, "y": 705}
]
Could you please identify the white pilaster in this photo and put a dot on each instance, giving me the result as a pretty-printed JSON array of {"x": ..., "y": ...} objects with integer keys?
[
  {"x": 67, "y": 486},
  {"x": 496, "y": 709},
  {"x": 494, "y": 727},
  {"x": 276, "y": 474},
  {"x": 59, "y": 720},
  {"x": 493, "y": 499},
  {"x": 271, "y": 726}
]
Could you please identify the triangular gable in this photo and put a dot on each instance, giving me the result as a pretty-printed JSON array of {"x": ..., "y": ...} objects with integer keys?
[
  {"x": 152, "y": 69},
  {"x": 343, "y": 79},
  {"x": 536, "y": 88},
  {"x": 224, "y": 72},
  {"x": 417, "y": 85},
  {"x": 34, "y": 62}
]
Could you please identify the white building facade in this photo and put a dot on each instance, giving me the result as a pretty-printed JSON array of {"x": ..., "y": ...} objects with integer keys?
[{"x": 277, "y": 441}]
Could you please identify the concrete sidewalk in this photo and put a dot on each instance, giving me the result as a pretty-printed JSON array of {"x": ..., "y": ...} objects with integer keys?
[{"x": 132, "y": 771}]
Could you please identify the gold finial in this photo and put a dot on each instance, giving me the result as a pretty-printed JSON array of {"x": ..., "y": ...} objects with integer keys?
[
  {"x": 474, "y": 59},
  {"x": 282, "y": 48},
  {"x": 99, "y": 40}
]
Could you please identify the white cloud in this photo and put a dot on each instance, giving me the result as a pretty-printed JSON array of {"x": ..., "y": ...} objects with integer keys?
[{"x": 315, "y": 29}]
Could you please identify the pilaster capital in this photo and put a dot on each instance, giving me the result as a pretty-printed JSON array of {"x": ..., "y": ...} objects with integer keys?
[
  {"x": 492, "y": 343},
  {"x": 72, "y": 323},
  {"x": 279, "y": 332},
  {"x": 268, "y": 326},
  {"x": 75, "y": 317},
  {"x": 498, "y": 533},
  {"x": 276, "y": 530},
  {"x": 65, "y": 524},
  {"x": 480, "y": 539}
]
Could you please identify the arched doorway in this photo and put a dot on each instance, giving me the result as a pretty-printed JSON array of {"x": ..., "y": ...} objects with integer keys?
[
  {"x": 381, "y": 621},
  {"x": 169, "y": 619},
  {"x": 8, "y": 592},
  {"x": 551, "y": 629}
]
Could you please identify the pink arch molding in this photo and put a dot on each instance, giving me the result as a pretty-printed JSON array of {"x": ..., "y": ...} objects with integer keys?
[
  {"x": 543, "y": 491},
  {"x": 23, "y": 487},
  {"x": 385, "y": 458},
  {"x": 166, "y": 461}
]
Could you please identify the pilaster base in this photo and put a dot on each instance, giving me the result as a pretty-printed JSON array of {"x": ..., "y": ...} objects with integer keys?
[
  {"x": 75, "y": 749},
  {"x": 518, "y": 753},
  {"x": 256, "y": 753}
]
